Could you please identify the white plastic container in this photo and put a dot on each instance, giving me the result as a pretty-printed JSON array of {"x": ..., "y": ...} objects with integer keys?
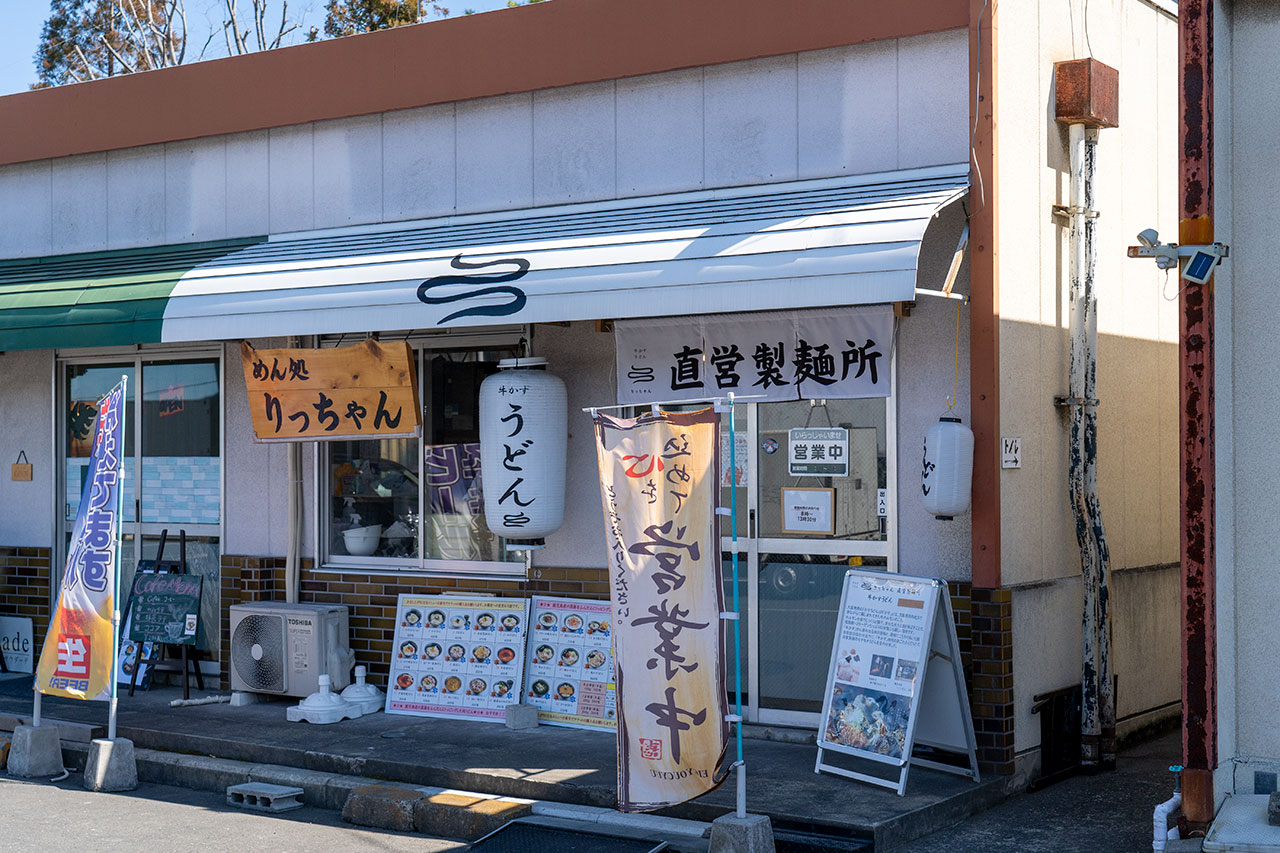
[{"x": 362, "y": 541}]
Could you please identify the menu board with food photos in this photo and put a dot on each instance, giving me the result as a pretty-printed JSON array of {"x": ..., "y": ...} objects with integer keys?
[
  {"x": 570, "y": 666},
  {"x": 457, "y": 657}
]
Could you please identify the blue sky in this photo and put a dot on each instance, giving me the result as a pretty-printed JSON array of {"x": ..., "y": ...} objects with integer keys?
[{"x": 23, "y": 19}]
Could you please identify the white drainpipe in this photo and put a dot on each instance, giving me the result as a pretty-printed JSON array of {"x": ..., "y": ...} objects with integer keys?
[
  {"x": 1098, "y": 699},
  {"x": 295, "y": 516},
  {"x": 1160, "y": 830}
]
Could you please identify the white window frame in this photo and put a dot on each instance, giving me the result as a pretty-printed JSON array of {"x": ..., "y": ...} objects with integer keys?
[{"x": 422, "y": 344}]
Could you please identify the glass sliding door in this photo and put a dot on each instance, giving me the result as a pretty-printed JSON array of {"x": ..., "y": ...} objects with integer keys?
[
  {"x": 175, "y": 417},
  {"x": 181, "y": 475},
  {"x": 83, "y": 387},
  {"x": 800, "y": 527}
]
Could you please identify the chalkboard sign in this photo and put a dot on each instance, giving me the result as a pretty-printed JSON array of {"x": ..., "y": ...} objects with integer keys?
[{"x": 165, "y": 609}]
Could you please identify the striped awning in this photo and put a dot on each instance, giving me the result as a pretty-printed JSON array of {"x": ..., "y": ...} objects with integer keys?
[{"x": 796, "y": 245}]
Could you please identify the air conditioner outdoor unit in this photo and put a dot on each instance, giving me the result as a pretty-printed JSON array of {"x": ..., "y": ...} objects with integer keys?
[{"x": 284, "y": 648}]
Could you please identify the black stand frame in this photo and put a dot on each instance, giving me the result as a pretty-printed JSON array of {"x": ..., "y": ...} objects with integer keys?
[{"x": 190, "y": 658}]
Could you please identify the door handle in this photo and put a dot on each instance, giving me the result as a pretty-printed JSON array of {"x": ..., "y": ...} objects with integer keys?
[{"x": 751, "y": 523}]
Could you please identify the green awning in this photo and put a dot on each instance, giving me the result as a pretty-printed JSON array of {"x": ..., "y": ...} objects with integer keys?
[{"x": 96, "y": 298}]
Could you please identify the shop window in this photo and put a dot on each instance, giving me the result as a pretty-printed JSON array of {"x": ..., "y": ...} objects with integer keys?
[{"x": 410, "y": 503}]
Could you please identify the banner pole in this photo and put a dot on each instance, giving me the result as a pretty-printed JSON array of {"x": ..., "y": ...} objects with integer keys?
[
  {"x": 737, "y": 631},
  {"x": 115, "y": 588},
  {"x": 35, "y": 708}
]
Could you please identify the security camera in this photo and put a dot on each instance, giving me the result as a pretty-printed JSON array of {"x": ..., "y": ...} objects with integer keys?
[{"x": 1149, "y": 238}]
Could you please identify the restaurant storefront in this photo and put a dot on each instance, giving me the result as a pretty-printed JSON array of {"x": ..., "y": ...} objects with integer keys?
[
  {"x": 424, "y": 495},
  {"x": 736, "y": 209}
]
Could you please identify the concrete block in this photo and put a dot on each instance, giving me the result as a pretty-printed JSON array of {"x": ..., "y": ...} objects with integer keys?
[
  {"x": 1273, "y": 809},
  {"x": 382, "y": 807},
  {"x": 452, "y": 814},
  {"x": 35, "y": 752},
  {"x": 111, "y": 766},
  {"x": 750, "y": 834},
  {"x": 520, "y": 717},
  {"x": 264, "y": 797}
]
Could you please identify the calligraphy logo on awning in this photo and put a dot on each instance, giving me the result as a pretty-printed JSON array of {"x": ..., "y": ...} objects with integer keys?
[{"x": 496, "y": 280}]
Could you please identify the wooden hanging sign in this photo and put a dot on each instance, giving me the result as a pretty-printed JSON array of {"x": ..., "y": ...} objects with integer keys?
[{"x": 366, "y": 390}]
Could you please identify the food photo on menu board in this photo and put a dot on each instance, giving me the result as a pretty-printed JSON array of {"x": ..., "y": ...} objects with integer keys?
[
  {"x": 876, "y": 665},
  {"x": 457, "y": 657},
  {"x": 569, "y": 672}
]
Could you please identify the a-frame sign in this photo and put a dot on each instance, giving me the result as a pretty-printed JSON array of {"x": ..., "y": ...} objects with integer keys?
[{"x": 895, "y": 679}]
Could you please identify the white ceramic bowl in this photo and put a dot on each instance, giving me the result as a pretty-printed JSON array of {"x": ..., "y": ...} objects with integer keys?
[{"x": 362, "y": 541}]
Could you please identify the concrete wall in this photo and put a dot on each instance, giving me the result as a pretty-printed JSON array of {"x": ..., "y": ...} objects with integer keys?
[
  {"x": 1248, "y": 408},
  {"x": 926, "y": 378},
  {"x": 583, "y": 358},
  {"x": 26, "y": 509},
  {"x": 833, "y": 112},
  {"x": 256, "y": 509},
  {"x": 1137, "y": 362}
]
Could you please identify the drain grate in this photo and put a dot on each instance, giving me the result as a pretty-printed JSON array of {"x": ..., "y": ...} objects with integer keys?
[
  {"x": 799, "y": 841},
  {"x": 519, "y": 837}
]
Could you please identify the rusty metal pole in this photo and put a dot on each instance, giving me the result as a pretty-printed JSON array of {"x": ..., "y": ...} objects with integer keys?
[
  {"x": 1196, "y": 434},
  {"x": 1087, "y": 99},
  {"x": 1098, "y": 713}
]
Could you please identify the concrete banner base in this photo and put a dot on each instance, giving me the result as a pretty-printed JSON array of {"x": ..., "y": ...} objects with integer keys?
[
  {"x": 111, "y": 766},
  {"x": 750, "y": 834},
  {"x": 35, "y": 752}
]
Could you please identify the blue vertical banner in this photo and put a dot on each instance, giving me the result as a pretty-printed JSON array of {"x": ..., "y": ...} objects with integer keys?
[{"x": 79, "y": 649}]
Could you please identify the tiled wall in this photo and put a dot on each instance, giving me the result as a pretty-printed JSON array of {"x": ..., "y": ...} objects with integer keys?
[
  {"x": 24, "y": 588},
  {"x": 991, "y": 692},
  {"x": 372, "y": 599},
  {"x": 176, "y": 489},
  {"x": 983, "y": 625}
]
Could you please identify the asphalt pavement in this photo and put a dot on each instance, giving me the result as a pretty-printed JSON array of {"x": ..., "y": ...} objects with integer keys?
[
  {"x": 1099, "y": 813},
  {"x": 38, "y": 816}
]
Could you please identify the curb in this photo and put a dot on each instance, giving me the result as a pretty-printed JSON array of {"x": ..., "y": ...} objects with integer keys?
[{"x": 330, "y": 791}]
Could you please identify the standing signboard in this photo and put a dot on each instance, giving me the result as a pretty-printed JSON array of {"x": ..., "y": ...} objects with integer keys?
[
  {"x": 16, "y": 643},
  {"x": 570, "y": 663},
  {"x": 895, "y": 678},
  {"x": 165, "y": 608},
  {"x": 658, "y": 481},
  {"x": 78, "y": 656},
  {"x": 457, "y": 657}
]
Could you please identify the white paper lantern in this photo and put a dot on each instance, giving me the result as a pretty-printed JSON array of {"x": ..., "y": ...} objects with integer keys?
[
  {"x": 946, "y": 477},
  {"x": 523, "y": 439}
]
